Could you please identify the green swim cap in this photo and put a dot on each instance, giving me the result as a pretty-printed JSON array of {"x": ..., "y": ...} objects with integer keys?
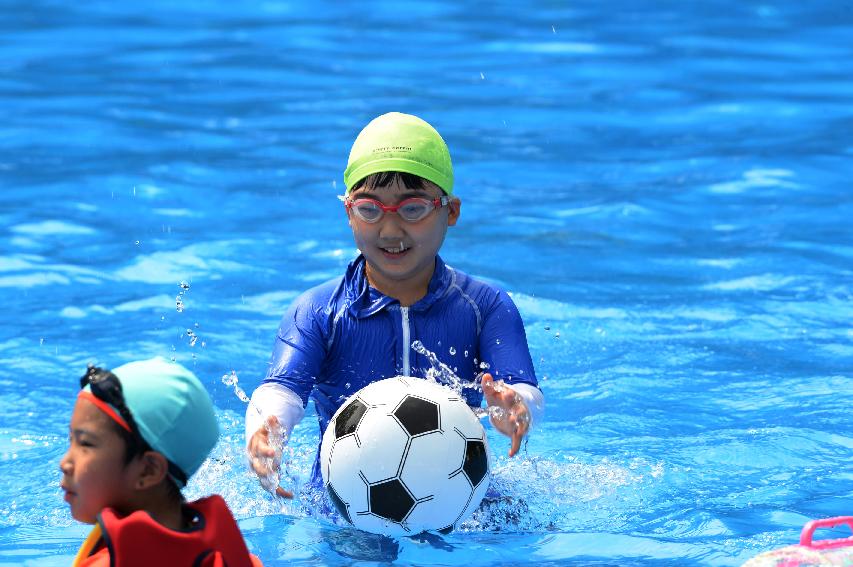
[
  {"x": 400, "y": 142},
  {"x": 172, "y": 410}
]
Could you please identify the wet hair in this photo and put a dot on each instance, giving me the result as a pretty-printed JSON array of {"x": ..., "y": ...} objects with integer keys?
[
  {"x": 135, "y": 446},
  {"x": 386, "y": 178}
]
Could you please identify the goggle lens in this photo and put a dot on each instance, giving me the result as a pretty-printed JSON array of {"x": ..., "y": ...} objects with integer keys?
[{"x": 367, "y": 210}]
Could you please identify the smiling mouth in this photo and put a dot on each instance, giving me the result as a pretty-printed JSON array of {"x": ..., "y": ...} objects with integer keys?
[{"x": 394, "y": 249}]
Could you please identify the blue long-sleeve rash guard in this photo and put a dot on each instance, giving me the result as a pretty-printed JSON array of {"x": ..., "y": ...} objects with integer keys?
[{"x": 342, "y": 335}]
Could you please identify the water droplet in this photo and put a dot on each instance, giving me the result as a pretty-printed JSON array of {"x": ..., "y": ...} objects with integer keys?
[
  {"x": 173, "y": 358},
  {"x": 452, "y": 351},
  {"x": 484, "y": 366},
  {"x": 347, "y": 385},
  {"x": 196, "y": 325},
  {"x": 557, "y": 335},
  {"x": 184, "y": 285},
  {"x": 41, "y": 342},
  {"x": 466, "y": 354},
  {"x": 497, "y": 341},
  {"x": 137, "y": 243},
  {"x": 203, "y": 344},
  {"x": 547, "y": 327},
  {"x": 230, "y": 379},
  {"x": 179, "y": 304}
]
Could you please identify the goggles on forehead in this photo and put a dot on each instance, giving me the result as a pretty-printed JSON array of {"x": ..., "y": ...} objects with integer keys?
[
  {"x": 106, "y": 387},
  {"x": 410, "y": 210}
]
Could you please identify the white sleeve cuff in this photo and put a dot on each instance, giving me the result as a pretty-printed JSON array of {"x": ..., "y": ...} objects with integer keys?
[
  {"x": 272, "y": 398},
  {"x": 534, "y": 399}
]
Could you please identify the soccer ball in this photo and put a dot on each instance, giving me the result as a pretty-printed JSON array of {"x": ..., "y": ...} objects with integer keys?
[{"x": 403, "y": 456}]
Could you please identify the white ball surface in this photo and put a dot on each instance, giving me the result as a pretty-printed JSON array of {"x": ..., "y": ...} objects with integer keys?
[{"x": 403, "y": 456}]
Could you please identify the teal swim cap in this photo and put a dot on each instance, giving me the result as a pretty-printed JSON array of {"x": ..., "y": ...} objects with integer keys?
[
  {"x": 172, "y": 410},
  {"x": 400, "y": 142}
]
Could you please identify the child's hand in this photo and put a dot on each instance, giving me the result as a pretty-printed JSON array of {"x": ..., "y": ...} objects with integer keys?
[
  {"x": 512, "y": 418},
  {"x": 263, "y": 457}
]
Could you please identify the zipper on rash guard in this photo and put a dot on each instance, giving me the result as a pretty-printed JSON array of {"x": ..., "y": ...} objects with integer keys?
[{"x": 407, "y": 338}]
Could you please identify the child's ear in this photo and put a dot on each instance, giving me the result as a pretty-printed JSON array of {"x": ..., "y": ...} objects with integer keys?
[
  {"x": 454, "y": 208},
  {"x": 152, "y": 470}
]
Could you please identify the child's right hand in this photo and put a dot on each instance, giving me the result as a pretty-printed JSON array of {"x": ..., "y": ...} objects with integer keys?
[{"x": 263, "y": 458}]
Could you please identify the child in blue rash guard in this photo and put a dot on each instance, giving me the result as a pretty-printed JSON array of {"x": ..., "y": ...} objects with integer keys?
[{"x": 354, "y": 330}]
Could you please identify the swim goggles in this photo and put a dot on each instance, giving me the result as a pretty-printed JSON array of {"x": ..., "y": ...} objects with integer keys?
[
  {"x": 106, "y": 387},
  {"x": 410, "y": 210}
]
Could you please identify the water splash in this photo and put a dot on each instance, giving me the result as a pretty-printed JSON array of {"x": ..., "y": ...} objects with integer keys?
[
  {"x": 443, "y": 374},
  {"x": 179, "y": 299},
  {"x": 232, "y": 381},
  {"x": 440, "y": 372},
  {"x": 277, "y": 439}
]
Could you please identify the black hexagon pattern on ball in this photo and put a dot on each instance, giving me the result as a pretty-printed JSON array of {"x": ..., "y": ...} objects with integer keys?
[
  {"x": 476, "y": 463},
  {"x": 417, "y": 416},
  {"x": 391, "y": 500},
  {"x": 348, "y": 419},
  {"x": 339, "y": 504}
]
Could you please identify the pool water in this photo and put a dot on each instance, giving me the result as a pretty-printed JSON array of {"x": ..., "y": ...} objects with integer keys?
[{"x": 663, "y": 187}]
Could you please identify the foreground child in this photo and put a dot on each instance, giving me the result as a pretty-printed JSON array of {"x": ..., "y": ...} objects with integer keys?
[
  {"x": 137, "y": 434},
  {"x": 357, "y": 329}
]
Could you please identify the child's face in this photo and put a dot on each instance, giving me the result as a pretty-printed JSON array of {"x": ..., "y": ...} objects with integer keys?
[
  {"x": 94, "y": 474},
  {"x": 398, "y": 252}
]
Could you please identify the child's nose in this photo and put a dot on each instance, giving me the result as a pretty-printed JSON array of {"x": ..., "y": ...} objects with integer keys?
[
  {"x": 65, "y": 464},
  {"x": 391, "y": 225}
]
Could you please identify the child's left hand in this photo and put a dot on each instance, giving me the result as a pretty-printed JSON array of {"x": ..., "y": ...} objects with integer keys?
[{"x": 514, "y": 419}]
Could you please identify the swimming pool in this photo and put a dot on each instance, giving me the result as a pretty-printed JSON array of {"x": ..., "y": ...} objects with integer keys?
[{"x": 663, "y": 189}]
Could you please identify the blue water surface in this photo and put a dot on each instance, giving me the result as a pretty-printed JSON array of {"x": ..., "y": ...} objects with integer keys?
[{"x": 664, "y": 188}]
